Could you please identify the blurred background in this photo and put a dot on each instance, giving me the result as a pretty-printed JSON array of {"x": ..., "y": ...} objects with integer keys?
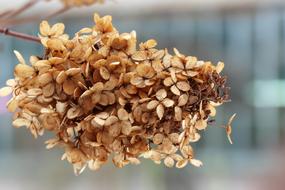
[{"x": 248, "y": 35}]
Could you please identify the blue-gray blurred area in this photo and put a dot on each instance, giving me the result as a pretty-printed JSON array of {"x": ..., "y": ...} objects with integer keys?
[{"x": 251, "y": 42}]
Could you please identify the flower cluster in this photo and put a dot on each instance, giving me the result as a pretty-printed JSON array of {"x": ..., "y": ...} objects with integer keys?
[{"x": 103, "y": 97}]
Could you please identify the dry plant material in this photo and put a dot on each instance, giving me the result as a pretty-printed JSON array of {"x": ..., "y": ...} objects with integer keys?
[{"x": 102, "y": 97}]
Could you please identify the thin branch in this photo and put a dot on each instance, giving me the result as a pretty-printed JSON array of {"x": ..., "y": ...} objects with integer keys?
[
  {"x": 57, "y": 12},
  {"x": 37, "y": 17},
  {"x": 8, "y": 32},
  {"x": 21, "y": 9},
  {"x": 4, "y": 13}
]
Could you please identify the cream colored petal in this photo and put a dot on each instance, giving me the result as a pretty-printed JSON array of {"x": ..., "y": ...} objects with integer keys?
[
  {"x": 183, "y": 85},
  {"x": 104, "y": 73},
  {"x": 139, "y": 56},
  {"x": 57, "y": 29},
  {"x": 160, "y": 111},
  {"x": 111, "y": 120},
  {"x": 175, "y": 90},
  {"x": 23, "y": 71},
  {"x": 220, "y": 66},
  {"x": 181, "y": 163},
  {"x": 44, "y": 28},
  {"x": 196, "y": 163},
  {"x": 123, "y": 114},
  {"x": 19, "y": 57},
  {"x": 152, "y": 104},
  {"x": 150, "y": 43},
  {"x": 73, "y": 71},
  {"x": 178, "y": 113},
  {"x": 161, "y": 94},
  {"x": 5, "y": 91},
  {"x": 182, "y": 100},
  {"x": 169, "y": 162},
  {"x": 20, "y": 122},
  {"x": 201, "y": 124},
  {"x": 168, "y": 81},
  {"x": 168, "y": 102}
]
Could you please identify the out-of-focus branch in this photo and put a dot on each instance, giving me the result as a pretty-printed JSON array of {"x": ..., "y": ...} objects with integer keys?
[
  {"x": 21, "y": 9},
  {"x": 35, "y": 18},
  {"x": 6, "y": 31}
]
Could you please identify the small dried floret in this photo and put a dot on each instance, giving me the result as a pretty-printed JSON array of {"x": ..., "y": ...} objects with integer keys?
[{"x": 102, "y": 97}]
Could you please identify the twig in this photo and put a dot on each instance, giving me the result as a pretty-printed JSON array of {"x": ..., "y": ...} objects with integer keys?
[
  {"x": 19, "y": 35},
  {"x": 14, "y": 22},
  {"x": 59, "y": 11},
  {"x": 4, "y": 13},
  {"x": 21, "y": 9}
]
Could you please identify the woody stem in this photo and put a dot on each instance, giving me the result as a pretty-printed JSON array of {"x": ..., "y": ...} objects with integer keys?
[{"x": 8, "y": 32}]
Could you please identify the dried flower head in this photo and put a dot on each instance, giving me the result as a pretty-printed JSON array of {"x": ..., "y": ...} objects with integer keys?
[{"x": 101, "y": 97}]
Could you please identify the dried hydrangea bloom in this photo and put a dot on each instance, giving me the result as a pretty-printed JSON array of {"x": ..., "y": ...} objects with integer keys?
[{"x": 102, "y": 97}]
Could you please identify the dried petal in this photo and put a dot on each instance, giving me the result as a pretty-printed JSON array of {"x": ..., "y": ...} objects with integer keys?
[{"x": 160, "y": 111}]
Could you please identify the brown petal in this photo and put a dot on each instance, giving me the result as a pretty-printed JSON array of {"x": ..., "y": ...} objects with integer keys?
[
  {"x": 115, "y": 130},
  {"x": 160, "y": 111},
  {"x": 126, "y": 127},
  {"x": 48, "y": 90},
  {"x": 104, "y": 100},
  {"x": 111, "y": 97},
  {"x": 96, "y": 98},
  {"x": 69, "y": 86},
  {"x": 183, "y": 85},
  {"x": 158, "y": 138},
  {"x": 178, "y": 113}
]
